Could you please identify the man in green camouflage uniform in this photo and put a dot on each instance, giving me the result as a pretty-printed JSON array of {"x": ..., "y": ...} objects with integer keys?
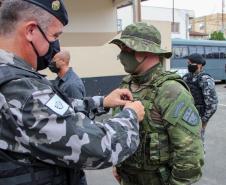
[
  {"x": 170, "y": 150},
  {"x": 43, "y": 133}
]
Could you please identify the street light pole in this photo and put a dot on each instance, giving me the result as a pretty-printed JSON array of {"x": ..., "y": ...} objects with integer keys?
[
  {"x": 173, "y": 13},
  {"x": 223, "y": 16},
  {"x": 136, "y": 11},
  {"x": 173, "y": 25}
]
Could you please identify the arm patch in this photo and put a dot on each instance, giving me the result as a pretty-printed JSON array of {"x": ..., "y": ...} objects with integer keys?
[
  {"x": 183, "y": 112},
  {"x": 191, "y": 117},
  {"x": 57, "y": 105}
]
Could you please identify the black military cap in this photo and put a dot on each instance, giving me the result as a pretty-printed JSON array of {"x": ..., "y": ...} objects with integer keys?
[
  {"x": 54, "y": 7},
  {"x": 197, "y": 59}
]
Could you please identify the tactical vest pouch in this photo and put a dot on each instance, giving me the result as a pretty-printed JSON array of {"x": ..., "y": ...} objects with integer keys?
[
  {"x": 154, "y": 148},
  {"x": 164, "y": 174},
  {"x": 158, "y": 138}
]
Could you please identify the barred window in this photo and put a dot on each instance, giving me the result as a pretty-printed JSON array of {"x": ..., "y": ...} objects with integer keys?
[
  {"x": 119, "y": 24},
  {"x": 175, "y": 27},
  {"x": 180, "y": 52},
  {"x": 222, "y": 51},
  {"x": 212, "y": 52},
  {"x": 197, "y": 49}
]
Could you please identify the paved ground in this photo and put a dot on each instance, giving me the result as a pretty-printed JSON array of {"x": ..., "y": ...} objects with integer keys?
[{"x": 214, "y": 172}]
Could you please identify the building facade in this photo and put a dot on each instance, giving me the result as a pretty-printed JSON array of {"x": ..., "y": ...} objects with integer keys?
[
  {"x": 210, "y": 23},
  {"x": 92, "y": 24},
  {"x": 179, "y": 18}
]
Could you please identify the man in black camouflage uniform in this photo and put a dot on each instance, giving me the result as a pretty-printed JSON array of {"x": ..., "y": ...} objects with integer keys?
[
  {"x": 42, "y": 132},
  {"x": 202, "y": 87}
]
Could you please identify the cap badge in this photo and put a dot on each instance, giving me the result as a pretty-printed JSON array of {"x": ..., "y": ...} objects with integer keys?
[{"x": 55, "y": 5}]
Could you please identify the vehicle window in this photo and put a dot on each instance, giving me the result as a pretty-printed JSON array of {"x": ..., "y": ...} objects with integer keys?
[
  {"x": 212, "y": 52},
  {"x": 180, "y": 51},
  {"x": 197, "y": 49},
  {"x": 222, "y": 51}
]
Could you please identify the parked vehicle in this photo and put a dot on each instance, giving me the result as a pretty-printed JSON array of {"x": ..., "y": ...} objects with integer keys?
[{"x": 213, "y": 51}]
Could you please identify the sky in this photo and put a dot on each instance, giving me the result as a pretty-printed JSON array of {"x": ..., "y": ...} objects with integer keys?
[{"x": 200, "y": 7}]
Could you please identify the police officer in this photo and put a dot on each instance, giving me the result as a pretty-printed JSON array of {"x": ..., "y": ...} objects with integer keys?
[
  {"x": 42, "y": 132},
  {"x": 170, "y": 150},
  {"x": 202, "y": 87}
]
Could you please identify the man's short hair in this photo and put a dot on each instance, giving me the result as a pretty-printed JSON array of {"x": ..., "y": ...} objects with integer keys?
[{"x": 12, "y": 12}]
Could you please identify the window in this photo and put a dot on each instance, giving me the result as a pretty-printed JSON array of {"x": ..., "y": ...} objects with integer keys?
[
  {"x": 197, "y": 49},
  {"x": 190, "y": 28},
  {"x": 201, "y": 26},
  {"x": 212, "y": 52},
  {"x": 119, "y": 24},
  {"x": 175, "y": 27},
  {"x": 222, "y": 51},
  {"x": 180, "y": 52}
]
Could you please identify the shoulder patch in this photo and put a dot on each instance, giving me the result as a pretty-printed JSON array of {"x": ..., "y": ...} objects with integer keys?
[
  {"x": 58, "y": 105},
  {"x": 211, "y": 84},
  {"x": 191, "y": 117},
  {"x": 178, "y": 108}
]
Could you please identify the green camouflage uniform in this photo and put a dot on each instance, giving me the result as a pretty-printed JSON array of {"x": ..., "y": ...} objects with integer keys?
[{"x": 170, "y": 150}]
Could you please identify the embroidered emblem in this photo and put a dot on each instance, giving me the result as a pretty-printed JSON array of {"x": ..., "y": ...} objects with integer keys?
[
  {"x": 57, "y": 105},
  {"x": 56, "y": 5},
  {"x": 191, "y": 117}
]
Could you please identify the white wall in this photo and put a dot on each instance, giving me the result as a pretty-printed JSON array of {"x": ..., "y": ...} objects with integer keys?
[
  {"x": 91, "y": 16},
  {"x": 157, "y": 14},
  {"x": 126, "y": 15},
  {"x": 102, "y": 60}
]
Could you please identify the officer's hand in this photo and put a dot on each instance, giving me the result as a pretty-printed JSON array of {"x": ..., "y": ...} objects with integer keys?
[
  {"x": 115, "y": 174},
  {"x": 118, "y": 97},
  {"x": 137, "y": 107}
]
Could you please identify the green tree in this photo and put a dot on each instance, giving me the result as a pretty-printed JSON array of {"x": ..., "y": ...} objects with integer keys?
[{"x": 217, "y": 35}]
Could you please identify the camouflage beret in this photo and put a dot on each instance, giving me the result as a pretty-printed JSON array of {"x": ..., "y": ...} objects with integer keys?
[
  {"x": 142, "y": 37},
  {"x": 54, "y": 7}
]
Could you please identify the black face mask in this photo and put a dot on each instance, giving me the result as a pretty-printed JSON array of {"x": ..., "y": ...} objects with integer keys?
[
  {"x": 192, "y": 68},
  {"x": 44, "y": 61},
  {"x": 52, "y": 67}
]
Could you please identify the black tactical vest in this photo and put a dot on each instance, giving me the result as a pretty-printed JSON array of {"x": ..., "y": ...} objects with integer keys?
[
  {"x": 196, "y": 92},
  {"x": 34, "y": 172}
]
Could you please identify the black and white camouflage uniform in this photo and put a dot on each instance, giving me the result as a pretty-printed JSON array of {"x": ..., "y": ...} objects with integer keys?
[
  {"x": 207, "y": 85},
  {"x": 47, "y": 128}
]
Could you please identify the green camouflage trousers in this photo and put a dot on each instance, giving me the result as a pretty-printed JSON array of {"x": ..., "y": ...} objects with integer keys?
[{"x": 140, "y": 178}]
